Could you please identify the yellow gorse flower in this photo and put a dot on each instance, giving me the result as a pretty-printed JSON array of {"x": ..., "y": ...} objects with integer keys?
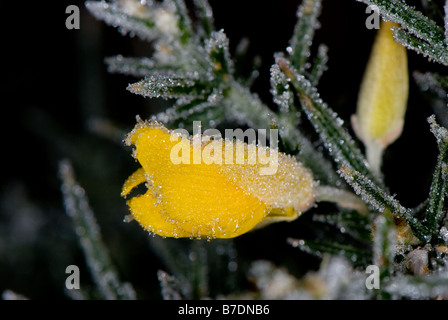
[
  {"x": 383, "y": 95},
  {"x": 209, "y": 199}
]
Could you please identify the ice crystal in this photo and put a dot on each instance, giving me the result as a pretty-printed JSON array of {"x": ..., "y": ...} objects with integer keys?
[
  {"x": 205, "y": 14},
  {"x": 171, "y": 288},
  {"x": 436, "y": 211},
  {"x": 245, "y": 107},
  {"x": 319, "y": 248},
  {"x": 319, "y": 65},
  {"x": 326, "y": 123},
  {"x": 439, "y": 132},
  {"x": 417, "y": 31},
  {"x": 418, "y": 287},
  {"x": 280, "y": 89},
  {"x": 426, "y": 49},
  {"x": 88, "y": 231},
  {"x": 187, "y": 111},
  {"x": 129, "y": 16},
  {"x": 138, "y": 67},
  {"x": 273, "y": 282},
  {"x": 444, "y": 234},
  {"x": 384, "y": 246},
  {"x": 302, "y": 39},
  {"x": 168, "y": 86},
  {"x": 218, "y": 57}
]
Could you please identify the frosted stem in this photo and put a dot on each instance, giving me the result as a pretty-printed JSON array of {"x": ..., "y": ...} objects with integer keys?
[
  {"x": 89, "y": 236},
  {"x": 343, "y": 198},
  {"x": 374, "y": 154}
]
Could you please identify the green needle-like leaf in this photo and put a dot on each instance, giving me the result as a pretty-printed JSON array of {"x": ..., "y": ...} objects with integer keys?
[
  {"x": 436, "y": 53},
  {"x": 302, "y": 38},
  {"x": 138, "y": 67},
  {"x": 412, "y": 20},
  {"x": 422, "y": 34},
  {"x": 384, "y": 243},
  {"x": 89, "y": 235},
  {"x": 327, "y": 124},
  {"x": 205, "y": 17},
  {"x": 319, "y": 65},
  {"x": 318, "y": 248},
  {"x": 170, "y": 86},
  {"x": 435, "y": 211},
  {"x": 141, "y": 25},
  {"x": 382, "y": 201},
  {"x": 184, "y": 22}
]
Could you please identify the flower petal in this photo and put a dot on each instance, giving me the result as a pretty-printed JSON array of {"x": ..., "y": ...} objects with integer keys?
[
  {"x": 148, "y": 211},
  {"x": 209, "y": 198},
  {"x": 196, "y": 199},
  {"x": 135, "y": 179},
  {"x": 384, "y": 91}
]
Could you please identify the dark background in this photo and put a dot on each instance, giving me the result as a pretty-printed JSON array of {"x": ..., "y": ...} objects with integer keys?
[{"x": 54, "y": 80}]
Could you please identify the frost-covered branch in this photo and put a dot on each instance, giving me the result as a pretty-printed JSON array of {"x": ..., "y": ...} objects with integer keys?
[
  {"x": 417, "y": 32},
  {"x": 89, "y": 236}
]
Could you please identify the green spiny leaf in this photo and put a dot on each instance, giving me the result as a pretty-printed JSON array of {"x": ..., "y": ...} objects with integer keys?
[
  {"x": 319, "y": 65},
  {"x": 140, "y": 24},
  {"x": 184, "y": 21},
  {"x": 350, "y": 222},
  {"x": 170, "y": 85},
  {"x": 217, "y": 48},
  {"x": 384, "y": 243},
  {"x": 185, "y": 111},
  {"x": 435, "y": 211},
  {"x": 436, "y": 53},
  {"x": 327, "y": 124},
  {"x": 383, "y": 202},
  {"x": 205, "y": 16},
  {"x": 318, "y": 248},
  {"x": 412, "y": 20},
  {"x": 138, "y": 67},
  {"x": 302, "y": 38},
  {"x": 89, "y": 235}
]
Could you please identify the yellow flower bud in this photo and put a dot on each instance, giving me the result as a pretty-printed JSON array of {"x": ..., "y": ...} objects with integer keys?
[
  {"x": 214, "y": 199},
  {"x": 383, "y": 96}
]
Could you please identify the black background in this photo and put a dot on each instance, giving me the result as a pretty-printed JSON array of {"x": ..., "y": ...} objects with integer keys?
[{"x": 54, "y": 79}]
